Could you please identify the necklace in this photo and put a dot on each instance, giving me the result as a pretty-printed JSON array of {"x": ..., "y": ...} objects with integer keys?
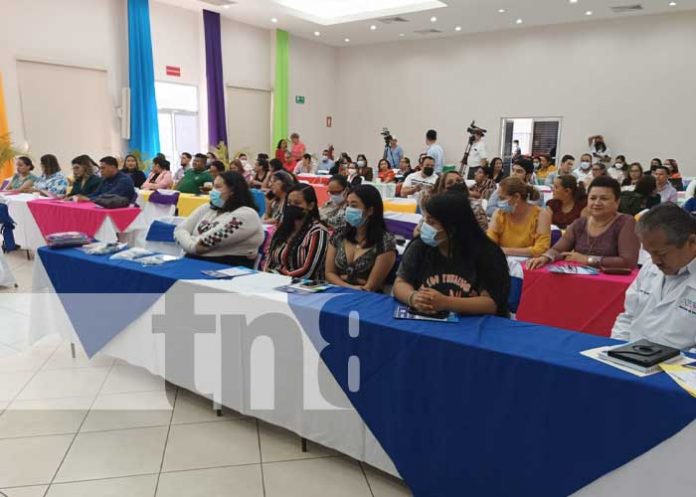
[{"x": 592, "y": 241}]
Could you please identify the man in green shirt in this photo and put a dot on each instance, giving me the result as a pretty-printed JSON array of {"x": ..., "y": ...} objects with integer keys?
[{"x": 195, "y": 178}]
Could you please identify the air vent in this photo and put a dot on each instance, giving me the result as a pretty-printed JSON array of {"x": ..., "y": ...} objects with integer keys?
[
  {"x": 431, "y": 31},
  {"x": 219, "y": 3},
  {"x": 393, "y": 20},
  {"x": 626, "y": 9}
]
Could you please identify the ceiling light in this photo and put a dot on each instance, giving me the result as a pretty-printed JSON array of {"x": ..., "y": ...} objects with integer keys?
[
  {"x": 458, "y": 28},
  {"x": 373, "y": 27},
  {"x": 317, "y": 33},
  {"x": 402, "y": 34},
  {"x": 672, "y": 4},
  {"x": 433, "y": 19},
  {"x": 501, "y": 11},
  {"x": 588, "y": 13},
  {"x": 226, "y": 7},
  {"x": 519, "y": 21},
  {"x": 573, "y": 1},
  {"x": 274, "y": 20},
  {"x": 347, "y": 40}
]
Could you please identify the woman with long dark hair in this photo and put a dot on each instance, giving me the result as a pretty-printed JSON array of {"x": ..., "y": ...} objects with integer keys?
[
  {"x": 498, "y": 172},
  {"x": 298, "y": 247},
  {"x": 23, "y": 180},
  {"x": 280, "y": 185},
  {"x": 453, "y": 266},
  {"x": 333, "y": 212},
  {"x": 569, "y": 200},
  {"x": 131, "y": 167},
  {"x": 160, "y": 178},
  {"x": 52, "y": 183},
  {"x": 362, "y": 254},
  {"x": 635, "y": 172},
  {"x": 228, "y": 229}
]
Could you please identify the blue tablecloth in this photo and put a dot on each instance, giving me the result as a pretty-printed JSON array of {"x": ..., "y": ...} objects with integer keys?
[{"x": 485, "y": 407}]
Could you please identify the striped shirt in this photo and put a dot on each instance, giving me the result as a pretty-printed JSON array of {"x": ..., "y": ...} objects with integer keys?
[{"x": 304, "y": 259}]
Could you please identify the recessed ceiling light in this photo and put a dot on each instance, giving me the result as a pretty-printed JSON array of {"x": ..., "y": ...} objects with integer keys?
[
  {"x": 373, "y": 27},
  {"x": 519, "y": 21},
  {"x": 331, "y": 12},
  {"x": 458, "y": 28},
  {"x": 226, "y": 7},
  {"x": 347, "y": 40},
  {"x": 317, "y": 33},
  {"x": 573, "y": 1},
  {"x": 501, "y": 11},
  {"x": 274, "y": 20},
  {"x": 672, "y": 4},
  {"x": 588, "y": 13},
  {"x": 402, "y": 34},
  {"x": 433, "y": 19}
]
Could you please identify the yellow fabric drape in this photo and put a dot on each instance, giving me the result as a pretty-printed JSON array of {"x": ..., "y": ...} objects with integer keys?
[{"x": 7, "y": 169}]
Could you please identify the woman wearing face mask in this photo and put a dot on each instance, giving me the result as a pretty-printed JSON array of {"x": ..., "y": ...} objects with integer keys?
[
  {"x": 354, "y": 178},
  {"x": 619, "y": 170},
  {"x": 364, "y": 168},
  {"x": 635, "y": 172},
  {"x": 281, "y": 183},
  {"x": 298, "y": 247},
  {"x": 519, "y": 228},
  {"x": 453, "y": 266},
  {"x": 333, "y": 212},
  {"x": 604, "y": 239},
  {"x": 362, "y": 255},
  {"x": 228, "y": 229},
  {"x": 386, "y": 174}
]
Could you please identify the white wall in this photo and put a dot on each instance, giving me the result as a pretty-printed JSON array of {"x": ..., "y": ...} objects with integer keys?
[
  {"x": 314, "y": 75},
  {"x": 631, "y": 80},
  {"x": 82, "y": 33}
]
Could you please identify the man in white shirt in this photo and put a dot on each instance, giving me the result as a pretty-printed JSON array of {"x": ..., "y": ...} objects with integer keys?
[
  {"x": 664, "y": 188},
  {"x": 434, "y": 150},
  {"x": 584, "y": 171},
  {"x": 661, "y": 303},
  {"x": 420, "y": 181},
  {"x": 477, "y": 154},
  {"x": 598, "y": 149}
]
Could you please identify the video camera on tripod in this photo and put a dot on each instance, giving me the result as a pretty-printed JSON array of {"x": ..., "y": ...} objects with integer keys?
[{"x": 473, "y": 130}]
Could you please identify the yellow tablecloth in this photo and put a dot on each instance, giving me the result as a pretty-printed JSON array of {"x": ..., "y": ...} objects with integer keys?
[
  {"x": 187, "y": 201},
  {"x": 406, "y": 205}
]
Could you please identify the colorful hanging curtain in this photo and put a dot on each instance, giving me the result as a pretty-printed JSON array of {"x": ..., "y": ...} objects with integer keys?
[
  {"x": 6, "y": 169},
  {"x": 217, "y": 123},
  {"x": 144, "y": 125},
  {"x": 281, "y": 88}
]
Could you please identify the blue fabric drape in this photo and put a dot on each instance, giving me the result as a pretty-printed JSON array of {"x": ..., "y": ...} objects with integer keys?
[
  {"x": 217, "y": 124},
  {"x": 144, "y": 126}
]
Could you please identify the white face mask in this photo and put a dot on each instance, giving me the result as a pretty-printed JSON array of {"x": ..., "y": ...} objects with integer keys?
[
  {"x": 618, "y": 165},
  {"x": 585, "y": 165},
  {"x": 324, "y": 158},
  {"x": 361, "y": 163}
]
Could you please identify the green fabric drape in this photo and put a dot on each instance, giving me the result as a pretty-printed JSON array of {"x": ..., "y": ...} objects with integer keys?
[{"x": 282, "y": 78}]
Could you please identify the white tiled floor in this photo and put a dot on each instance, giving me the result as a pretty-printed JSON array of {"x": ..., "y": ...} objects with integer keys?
[{"x": 100, "y": 428}]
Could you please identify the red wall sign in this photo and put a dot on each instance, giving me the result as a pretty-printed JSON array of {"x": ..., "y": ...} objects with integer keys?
[{"x": 174, "y": 71}]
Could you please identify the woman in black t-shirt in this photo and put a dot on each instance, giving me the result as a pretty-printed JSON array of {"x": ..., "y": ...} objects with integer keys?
[{"x": 453, "y": 266}]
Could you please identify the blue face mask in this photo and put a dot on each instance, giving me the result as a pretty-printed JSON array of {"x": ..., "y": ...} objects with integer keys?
[
  {"x": 504, "y": 206},
  {"x": 216, "y": 199},
  {"x": 429, "y": 234},
  {"x": 354, "y": 217}
]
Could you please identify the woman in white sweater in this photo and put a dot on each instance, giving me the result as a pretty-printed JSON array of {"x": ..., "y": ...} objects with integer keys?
[{"x": 228, "y": 230}]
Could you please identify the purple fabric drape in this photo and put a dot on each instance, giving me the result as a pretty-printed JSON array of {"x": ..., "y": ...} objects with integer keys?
[{"x": 217, "y": 124}]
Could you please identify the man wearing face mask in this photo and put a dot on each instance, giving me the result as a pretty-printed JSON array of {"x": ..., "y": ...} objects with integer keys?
[
  {"x": 598, "y": 149},
  {"x": 325, "y": 164},
  {"x": 584, "y": 170},
  {"x": 420, "y": 181},
  {"x": 434, "y": 150},
  {"x": 333, "y": 212}
]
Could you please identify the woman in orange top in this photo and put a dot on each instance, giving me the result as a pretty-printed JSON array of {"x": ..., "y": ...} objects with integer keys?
[
  {"x": 385, "y": 173},
  {"x": 518, "y": 227}
]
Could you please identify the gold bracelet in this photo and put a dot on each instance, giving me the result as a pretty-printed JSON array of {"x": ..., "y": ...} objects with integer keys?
[{"x": 410, "y": 297}]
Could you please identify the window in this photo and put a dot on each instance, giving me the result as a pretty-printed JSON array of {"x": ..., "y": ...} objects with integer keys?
[
  {"x": 177, "y": 107},
  {"x": 537, "y": 135}
]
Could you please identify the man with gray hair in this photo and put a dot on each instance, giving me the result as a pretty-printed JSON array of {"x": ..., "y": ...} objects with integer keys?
[{"x": 661, "y": 303}]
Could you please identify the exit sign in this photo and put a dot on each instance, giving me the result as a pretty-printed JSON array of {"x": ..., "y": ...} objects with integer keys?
[
  {"x": 299, "y": 99},
  {"x": 174, "y": 71}
]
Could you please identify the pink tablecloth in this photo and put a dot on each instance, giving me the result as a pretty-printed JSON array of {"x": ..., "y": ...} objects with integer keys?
[
  {"x": 322, "y": 192},
  {"x": 589, "y": 304},
  {"x": 55, "y": 216},
  {"x": 314, "y": 179}
]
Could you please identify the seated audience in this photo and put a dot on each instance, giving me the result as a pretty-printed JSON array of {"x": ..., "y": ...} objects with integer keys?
[
  {"x": 194, "y": 179},
  {"x": 23, "y": 180},
  {"x": 261, "y": 174},
  {"x": 519, "y": 228},
  {"x": 354, "y": 178},
  {"x": 660, "y": 303},
  {"x": 665, "y": 189},
  {"x": 584, "y": 170},
  {"x": 281, "y": 183},
  {"x": 160, "y": 178},
  {"x": 228, "y": 229},
  {"x": 545, "y": 168},
  {"x": 606, "y": 238},
  {"x": 114, "y": 182},
  {"x": 281, "y": 149},
  {"x": 483, "y": 186},
  {"x": 498, "y": 172},
  {"x": 404, "y": 170},
  {"x": 452, "y": 266},
  {"x": 326, "y": 163},
  {"x": 421, "y": 181},
  {"x": 598, "y": 169},
  {"x": 523, "y": 169},
  {"x": 619, "y": 170},
  {"x": 52, "y": 182},
  {"x": 385, "y": 174},
  {"x": 85, "y": 182},
  {"x": 131, "y": 167},
  {"x": 333, "y": 212},
  {"x": 216, "y": 168},
  {"x": 643, "y": 196},
  {"x": 654, "y": 163},
  {"x": 568, "y": 201},
  {"x": 364, "y": 168},
  {"x": 209, "y": 158},
  {"x": 305, "y": 166},
  {"x": 674, "y": 177},
  {"x": 298, "y": 247},
  {"x": 635, "y": 172},
  {"x": 185, "y": 159},
  {"x": 566, "y": 167},
  {"x": 361, "y": 255}
]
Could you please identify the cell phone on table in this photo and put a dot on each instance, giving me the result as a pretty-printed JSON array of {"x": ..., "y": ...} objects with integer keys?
[
  {"x": 616, "y": 270},
  {"x": 436, "y": 315}
]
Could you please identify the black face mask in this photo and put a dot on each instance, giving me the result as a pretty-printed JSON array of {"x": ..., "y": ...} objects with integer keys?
[
  {"x": 293, "y": 213},
  {"x": 428, "y": 171}
]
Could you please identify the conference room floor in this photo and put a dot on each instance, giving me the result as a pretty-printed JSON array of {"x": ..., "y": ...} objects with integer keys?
[{"x": 73, "y": 427}]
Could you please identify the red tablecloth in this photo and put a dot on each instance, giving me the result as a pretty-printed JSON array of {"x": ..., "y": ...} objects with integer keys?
[
  {"x": 56, "y": 216},
  {"x": 589, "y": 304},
  {"x": 314, "y": 179},
  {"x": 322, "y": 192}
]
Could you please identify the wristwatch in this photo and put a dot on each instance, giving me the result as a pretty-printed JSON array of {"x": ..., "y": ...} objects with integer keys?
[{"x": 594, "y": 261}]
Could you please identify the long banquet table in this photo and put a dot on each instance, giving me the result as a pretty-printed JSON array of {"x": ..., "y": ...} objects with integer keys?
[{"x": 486, "y": 406}]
